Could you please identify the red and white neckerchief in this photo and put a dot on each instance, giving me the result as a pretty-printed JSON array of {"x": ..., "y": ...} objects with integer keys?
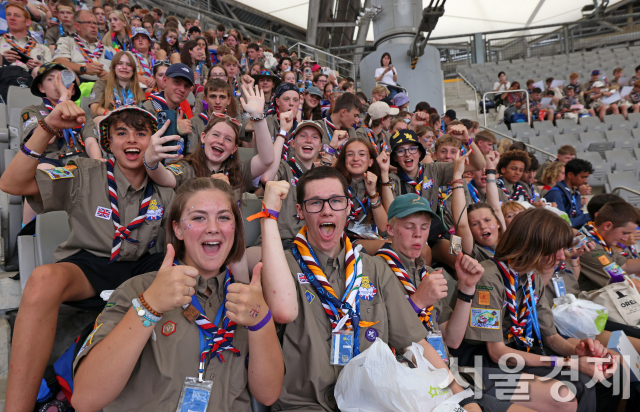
[
  {"x": 145, "y": 68},
  {"x": 88, "y": 56},
  {"x": 124, "y": 233},
  {"x": 31, "y": 43}
]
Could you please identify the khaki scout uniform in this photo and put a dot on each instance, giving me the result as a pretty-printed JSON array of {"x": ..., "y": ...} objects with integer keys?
[
  {"x": 53, "y": 35},
  {"x": 173, "y": 353},
  {"x": 310, "y": 379},
  {"x": 183, "y": 171},
  {"x": 29, "y": 119},
  {"x": 435, "y": 175},
  {"x": 80, "y": 190},
  {"x": 380, "y": 140},
  {"x": 592, "y": 274},
  {"x": 490, "y": 318},
  {"x": 39, "y": 52},
  {"x": 66, "y": 47}
]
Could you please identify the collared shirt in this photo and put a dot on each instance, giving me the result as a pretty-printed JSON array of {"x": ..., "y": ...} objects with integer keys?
[
  {"x": 490, "y": 317},
  {"x": 39, "y": 52},
  {"x": 435, "y": 175},
  {"x": 172, "y": 353},
  {"x": 29, "y": 121},
  {"x": 82, "y": 191},
  {"x": 310, "y": 379},
  {"x": 592, "y": 274},
  {"x": 66, "y": 47}
]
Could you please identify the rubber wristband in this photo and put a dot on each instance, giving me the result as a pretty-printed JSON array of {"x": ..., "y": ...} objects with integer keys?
[
  {"x": 464, "y": 297},
  {"x": 260, "y": 324},
  {"x": 415, "y": 307}
]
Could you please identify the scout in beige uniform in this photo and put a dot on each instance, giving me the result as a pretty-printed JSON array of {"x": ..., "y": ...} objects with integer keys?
[
  {"x": 216, "y": 156},
  {"x": 144, "y": 346},
  {"x": 102, "y": 200},
  {"x": 17, "y": 37},
  {"x": 499, "y": 325},
  {"x": 291, "y": 289},
  {"x": 613, "y": 223},
  {"x": 83, "y": 52},
  {"x": 375, "y": 126}
]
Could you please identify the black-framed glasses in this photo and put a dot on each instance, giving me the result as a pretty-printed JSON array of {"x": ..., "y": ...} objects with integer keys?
[
  {"x": 162, "y": 63},
  {"x": 336, "y": 203},
  {"x": 410, "y": 150}
]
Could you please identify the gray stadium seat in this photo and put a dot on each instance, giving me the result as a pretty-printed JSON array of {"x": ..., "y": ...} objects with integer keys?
[
  {"x": 626, "y": 179},
  {"x": 594, "y": 124},
  {"x": 600, "y": 168},
  {"x": 251, "y": 229},
  {"x": 569, "y": 126},
  {"x": 545, "y": 128},
  {"x": 522, "y": 131},
  {"x": 568, "y": 139},
  {"x": 617, "y": 121},
  {"x": 622, "y": 159},
  {"x": 621, "y": 139}
]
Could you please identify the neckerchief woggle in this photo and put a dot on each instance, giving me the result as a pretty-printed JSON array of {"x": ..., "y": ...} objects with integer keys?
[
  {"x": 69, "y": 135},
  {"x": 348, "y": 316},
  {"x": 212, "y": 338}
]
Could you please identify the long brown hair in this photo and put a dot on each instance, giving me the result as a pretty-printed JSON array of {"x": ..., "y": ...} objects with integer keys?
[
  {"x": 198, "y": 159},
  {"x": 112, "y": 82},
  {"x": 185, "y": 192},
  {"x": 217, "y": 85},
  {"x": 532, "y": 238}
]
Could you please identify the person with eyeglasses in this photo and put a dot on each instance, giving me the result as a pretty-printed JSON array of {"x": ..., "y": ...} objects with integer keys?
[{"x": 84, "y": 53}]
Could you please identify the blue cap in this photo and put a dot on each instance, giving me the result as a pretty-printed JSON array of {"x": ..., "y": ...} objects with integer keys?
[{"x": 180, "y": 70}]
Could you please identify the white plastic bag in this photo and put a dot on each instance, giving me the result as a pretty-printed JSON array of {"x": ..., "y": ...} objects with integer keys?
[
  {"x": 579, "y": 318},
  {"x": 375, "y": 381}
]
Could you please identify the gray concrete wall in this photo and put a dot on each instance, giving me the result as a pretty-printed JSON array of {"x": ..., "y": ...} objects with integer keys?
[{"x": 423, "y": 84}]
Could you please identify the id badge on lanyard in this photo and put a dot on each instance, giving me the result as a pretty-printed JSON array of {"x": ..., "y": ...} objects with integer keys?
[
  {"x": 435, "y": 340},
  {"x": 558, "y": 285},
  {"x": 341, "y": 347}
]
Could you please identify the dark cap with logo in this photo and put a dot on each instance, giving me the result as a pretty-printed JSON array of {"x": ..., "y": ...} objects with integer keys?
[{"x": 180, "y": 70}]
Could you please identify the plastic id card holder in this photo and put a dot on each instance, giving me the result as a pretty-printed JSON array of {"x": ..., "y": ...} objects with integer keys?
[
  {"x": 195, "y": 395},
  {"x": 435, "y": 340},
  {"x": 558, "y": 286},
  {"x": 341, "y": 347},
  {"x": 615, "y": 271}
]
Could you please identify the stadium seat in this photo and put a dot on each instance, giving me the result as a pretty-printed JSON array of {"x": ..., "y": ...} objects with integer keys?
[
  {"x": 617, "y": 121},
  {"x": 251, "y": 229},
  {"x": 545, "y": 128},
  {"x": 622, "y": 159},
  {"x": 593, "y": 124},
  {"x": 522, "y": 131},
  {"x": 600, "y": 168},
  {"x": 569, "y": 126},
  {"x": 621, "y": 139},
  {"x": 568, "y": 139}
]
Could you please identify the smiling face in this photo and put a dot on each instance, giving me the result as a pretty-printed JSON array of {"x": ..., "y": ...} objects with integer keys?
[
  {"x": 484, "y": 227},
  {"x": 307, "y": 144},
  {"x": 128, "y": 144},
  {"x": 290, "y": 100},
  {"x": 207, "y": 227},
  {"x": 410, "y": 234},
  {"x": 124, "y": 68},
  {"x": 218, "y": 100},
  {"x": 514, "y": 171},
  {"x": 220, "y": 142}
]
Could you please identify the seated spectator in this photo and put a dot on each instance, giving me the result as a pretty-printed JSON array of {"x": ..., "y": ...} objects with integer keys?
[
  {"x": 510, "y": 210},
  {"x": 119, "y": 35},
  {"x": 379, "y": 92},
  {"x": 84, "y": 53},
  {"x": 217, "y": 99},
  {"x": 633, "y": 98},
  {"x": 486, "y": 141},
  {"x": 141, "y": 41},
  {"x": 311, "y": 104},
  {"x": 66, "y": 11},
  {"x": 613, "y": 223},
  {"x": 169, "y": 44},
  {"x": 511, "y": 167},
  {"x": 566, "y": 194},
  {"x": 566, "y": 105},
  {"x": 121, "y": 88},
  {"x": 535, "y": 109},
  {"x": 553, "y": 174},
  {"x": 594, "y": 100},
  {"x": 375, "y": 126},
  {"x": 564, "y": 155},
  {"x": 18, "y": 37},
  {"x": 92, "y": 259}
]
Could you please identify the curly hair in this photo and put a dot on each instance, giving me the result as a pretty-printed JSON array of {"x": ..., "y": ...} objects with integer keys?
[{"x": 513, "y": 155}]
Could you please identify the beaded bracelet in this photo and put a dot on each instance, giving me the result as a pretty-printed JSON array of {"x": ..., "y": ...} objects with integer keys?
[
  {"x": 30, "y": 153},
  {"x": 147, "y": 166},
  {"x": 147, "y": 307}
]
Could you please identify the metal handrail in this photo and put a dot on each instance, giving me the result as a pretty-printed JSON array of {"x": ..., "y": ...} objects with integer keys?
[
  {"x": 553, "y": 156},
  {"x": 475, "y": 93},
  {"x": 526, "y": 93},
  {"x": 635, "y": 192}
]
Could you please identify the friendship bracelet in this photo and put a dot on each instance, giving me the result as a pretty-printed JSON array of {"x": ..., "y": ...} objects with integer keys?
[
  {"x": 265, "y": 213},
  {"x": 260, "y": 324},
  {"x": 30, "y": 153},
  {"x": 415, "y": 307},
  {"x": 147, "y": 307},
  {"x": 46, "y": 127},
  {"x": 147, "y": 166}
]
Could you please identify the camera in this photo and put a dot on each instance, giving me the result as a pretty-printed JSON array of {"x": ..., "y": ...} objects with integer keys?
[{"x": 455, "y": 245}]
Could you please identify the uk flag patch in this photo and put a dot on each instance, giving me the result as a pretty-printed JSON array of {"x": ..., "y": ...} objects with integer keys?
[{"x": 103, "y": 213}]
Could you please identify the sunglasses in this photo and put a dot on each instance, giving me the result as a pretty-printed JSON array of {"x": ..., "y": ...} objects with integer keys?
[{"x": 224, "y": 116}]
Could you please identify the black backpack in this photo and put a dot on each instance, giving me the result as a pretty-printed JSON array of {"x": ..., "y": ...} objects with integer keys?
[{"x": 13, "y": 76}]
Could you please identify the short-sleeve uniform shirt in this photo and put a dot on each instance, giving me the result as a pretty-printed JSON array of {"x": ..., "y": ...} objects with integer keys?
[
  {"x": 66, "y": 47},
  {"x": 435, "y": 175},
  {"x": 309, "y": 382},
  {"x": 82, "y": 191},
  {"x": 172, "y": 353},
  {"x": 592, "y": 273}
]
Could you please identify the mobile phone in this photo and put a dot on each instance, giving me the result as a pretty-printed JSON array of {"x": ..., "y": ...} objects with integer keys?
[
  {"x": 24, "y": 58},
  {"x": 172, "y": 129}
]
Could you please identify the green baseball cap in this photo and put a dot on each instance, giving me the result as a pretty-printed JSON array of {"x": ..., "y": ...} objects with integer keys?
[{"x": 409, "y": 204}]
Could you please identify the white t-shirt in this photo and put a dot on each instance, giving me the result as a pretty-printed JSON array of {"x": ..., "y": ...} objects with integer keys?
[
  {"x": 388, "y": 76},
  {"x": 503, "y": 87}
]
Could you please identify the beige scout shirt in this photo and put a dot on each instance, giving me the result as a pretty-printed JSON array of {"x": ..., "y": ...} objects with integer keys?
[
  {"x": 81, "y": 191},
  {"x": 435, "y": 175},
  {"x": 172, "y": 353},
  {"x": 310, "y": 379},
  {"x": 183, "y": 170},
  {"x": 39, "y": 52},
  {"x": 29, "y": 119},
  {"x": 592, "y": 274},
  {"x": 66, "y": 47},
  {"x": 380, "y": 140},
  {"x": 489, "y": 312}
]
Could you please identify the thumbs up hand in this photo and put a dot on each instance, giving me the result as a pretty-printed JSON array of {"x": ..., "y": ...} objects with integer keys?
[
  {"x": 173, "y": 285},
  {"x": 245, "y": 303}
]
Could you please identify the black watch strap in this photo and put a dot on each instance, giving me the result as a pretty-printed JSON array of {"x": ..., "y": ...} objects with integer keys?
[{"x": 464, "y": 297}]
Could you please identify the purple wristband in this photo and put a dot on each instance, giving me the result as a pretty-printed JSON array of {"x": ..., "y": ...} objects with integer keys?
[
  {"x": 415, "y": 307},
  {"x": 273, "y": 213},
  {"x": 260, "y": 324}
]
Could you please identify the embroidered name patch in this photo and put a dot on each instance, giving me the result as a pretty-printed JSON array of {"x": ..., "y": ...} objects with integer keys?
[
  {"x": 485, "y": 318},
  {"x": 103, "y": 213},
  {"x": 302, "y": 278},
  {"x": 367, "y": 290},
  {"x": 58, "y": 173},
  {"x": 175, "y": 169},
  {"x": 310, "y": 296},
  {"x": 155, "y": 211}
]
